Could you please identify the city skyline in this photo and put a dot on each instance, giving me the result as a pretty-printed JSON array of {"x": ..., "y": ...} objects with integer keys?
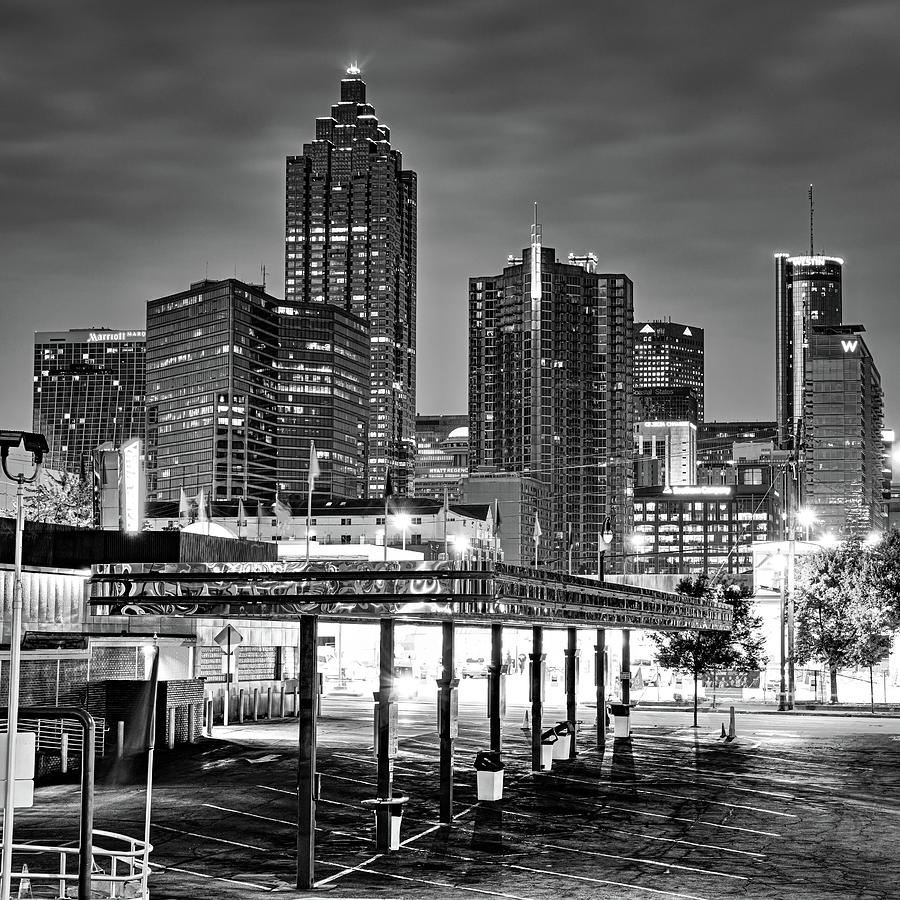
[{"x": 115, "y": 171}]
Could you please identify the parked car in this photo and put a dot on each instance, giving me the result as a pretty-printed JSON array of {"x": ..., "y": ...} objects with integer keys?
[{"x": 474, "y": 668}]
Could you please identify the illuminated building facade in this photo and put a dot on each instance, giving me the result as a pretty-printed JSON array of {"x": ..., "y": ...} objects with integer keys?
[
  {"x": 842, "y": 432},
  {"x": 211, "y": 392},
  {"x": 88, "y": 390},
  {"x": 550, "y": 367},
  {"x": 807, "y": 294},
  {"x": 442, "y": 455},
  {"x": 350, "y": 241},
  {"x": 667, "y": 356}
]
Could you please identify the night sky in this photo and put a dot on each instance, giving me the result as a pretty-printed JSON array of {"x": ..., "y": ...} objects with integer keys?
[{"x": 143, "y": 147}]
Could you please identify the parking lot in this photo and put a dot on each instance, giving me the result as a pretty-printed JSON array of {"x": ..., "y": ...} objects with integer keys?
[{"x": 793, "y": 808}]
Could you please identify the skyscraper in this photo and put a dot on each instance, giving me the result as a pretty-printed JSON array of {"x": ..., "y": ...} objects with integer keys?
[
  {"x": 442, "y": 455},
  {"x": 88, "y": 389},
  {"x": 807, "y": 293},
  {"x": 550, "y": 359},
  {"x": 841, "y": 432},
  {"x": 211, "y": 392},
  {"x": 667, "y": 356},
  {"x": 350, "y": 241}
]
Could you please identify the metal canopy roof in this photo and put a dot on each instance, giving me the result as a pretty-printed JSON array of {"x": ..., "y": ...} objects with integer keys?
[{"x": 422, "y": 591}]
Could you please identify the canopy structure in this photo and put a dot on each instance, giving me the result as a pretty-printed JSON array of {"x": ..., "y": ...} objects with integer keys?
[{"x": 423, "y": 591}]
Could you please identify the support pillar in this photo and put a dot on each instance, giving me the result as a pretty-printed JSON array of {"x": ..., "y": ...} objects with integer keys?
[
  {"x": 386, "y": 737},
  {"x": 495, "y": 670},
  {"x": 571, "y": 653},
  {"x": 447, "y": 720},
  {"x": 306, "y": 759},
  {"x": 537, "y": 685},
  {"x": 626, "y": 666},
  {"x": 600, "y": 677}
]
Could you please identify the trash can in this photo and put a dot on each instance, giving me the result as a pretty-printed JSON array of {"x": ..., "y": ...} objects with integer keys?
[
  {"x": 621, "y": 719},
  {"x": 565, "y": 734},
  {"x": 489, "y": 775},
  {"x": 548, "y": 742},
  {"x": 388, "y": 815}
]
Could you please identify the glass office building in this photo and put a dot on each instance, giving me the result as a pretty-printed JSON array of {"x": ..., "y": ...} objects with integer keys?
[
  {"x": 88, "y": 390},
  {"x": 669, "y": 356}
]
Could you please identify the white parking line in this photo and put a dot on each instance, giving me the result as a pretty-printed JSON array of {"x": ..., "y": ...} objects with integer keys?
[
  {"x": 261, "y": 887},
  {"x": 647, "y": 862},
  {"x": 635, "y": 812},
  {"x": 241, "y": 812},
  {"x": 207, "y": 837},
  {"x": 651, "y": 837}
]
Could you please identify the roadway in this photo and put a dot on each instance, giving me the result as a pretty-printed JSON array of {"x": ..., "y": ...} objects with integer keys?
[{"x": 795, "y": 807}]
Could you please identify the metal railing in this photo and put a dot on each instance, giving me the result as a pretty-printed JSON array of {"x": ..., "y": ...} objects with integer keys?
[
  {"x": 118, "y": 868},
  {"x": 49, "y": 734}
]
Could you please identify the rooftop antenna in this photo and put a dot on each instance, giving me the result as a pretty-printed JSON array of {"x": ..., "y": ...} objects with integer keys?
[
  {"x": 535, "y": 257},
  {"x": 263, "y": 268},
  {"x": 811, "y": 251}
]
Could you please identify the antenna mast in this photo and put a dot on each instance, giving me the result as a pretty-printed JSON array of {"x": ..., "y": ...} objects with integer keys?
[{"x": 811, "y": 250}]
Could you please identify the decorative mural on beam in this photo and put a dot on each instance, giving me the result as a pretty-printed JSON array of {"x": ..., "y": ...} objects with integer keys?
[{"x": 424, "y": 590}]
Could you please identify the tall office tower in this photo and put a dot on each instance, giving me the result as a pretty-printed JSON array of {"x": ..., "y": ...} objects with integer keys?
[
  {"x": 669, "y": 355},
  {"x": 211, "y": 392},
  {"x": 323, "y": 396},
  {"x": 842, "y": 421},
  {"x": 550, "y": 360},
  {"x": 442, "y": 455},
  {"x": 88, "y": 389},
  {"x": 350, "y": 241},
  {"x": 807, "y": 293},
  {"x": 716, "y": 440}
]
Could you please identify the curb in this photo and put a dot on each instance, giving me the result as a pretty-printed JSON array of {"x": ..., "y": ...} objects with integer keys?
[{"x": 837, "y": 713}]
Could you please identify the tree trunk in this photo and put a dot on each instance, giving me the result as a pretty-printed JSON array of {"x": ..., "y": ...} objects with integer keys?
[
  {"x": 834, "y": 696},
  {"x": 695, "y": 698},
  {"x": 871, "y": 690}
]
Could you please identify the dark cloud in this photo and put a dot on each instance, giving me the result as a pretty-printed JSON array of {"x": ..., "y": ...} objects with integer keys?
[{"x": 145, "y": 143}]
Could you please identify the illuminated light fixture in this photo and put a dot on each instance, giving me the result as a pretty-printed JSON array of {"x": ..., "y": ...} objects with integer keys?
[
  {"x": 353, "y": 70},
  {"x": 814, "y": 260}
]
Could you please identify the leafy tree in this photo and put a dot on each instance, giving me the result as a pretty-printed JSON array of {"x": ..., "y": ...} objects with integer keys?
[
  {"x": 60, "y": 499},
  {"x": 695, "y": 653},
  {"x": 885, "y": 573},
  {"x": 841, "y": 609}
]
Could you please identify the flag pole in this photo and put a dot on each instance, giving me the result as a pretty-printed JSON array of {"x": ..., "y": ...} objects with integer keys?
[{"x": 151, "y": 744}]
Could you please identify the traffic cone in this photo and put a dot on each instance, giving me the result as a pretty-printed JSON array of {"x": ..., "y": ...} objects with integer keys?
[
  {"x": 526, "y": 721},
  {"x": 24, "y": 892},
  {"x": 732, "y": 730}
]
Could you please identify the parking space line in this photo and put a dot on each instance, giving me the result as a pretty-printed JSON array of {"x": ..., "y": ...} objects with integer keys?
[
  {"x": 241, "y": 812},
  {"x": 647, "y": 862},
  {"x": 261, "y": 887},
  {"x": 636, "y": 812},
  {"x": 651, "y": 837},
  {"x": 207, "y": 837}
]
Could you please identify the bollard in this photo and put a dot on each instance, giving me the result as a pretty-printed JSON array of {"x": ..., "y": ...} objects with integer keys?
[
  {"x": 268, "y": 703},
  {"x": 241, "y": 706},
  {"x": 209, "y": 717},
  {"x": 192, "y": 722},
  {"x": 297, "y": 698},
  {"x": 226, "y": 704},
  {"x": 171, "y": 729},
  {"x": 732, "y": 730},
  {"x": 255, "y": 704},
  {"x": 64, "y": 753},
  {"x": 281, "y": 702},
  {"x": 120, "y": 739}
]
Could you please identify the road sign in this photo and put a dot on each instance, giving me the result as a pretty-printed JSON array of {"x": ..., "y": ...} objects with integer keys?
[
  {"x": 24, "y": 771},
  {"x": 229, "y": 638}
]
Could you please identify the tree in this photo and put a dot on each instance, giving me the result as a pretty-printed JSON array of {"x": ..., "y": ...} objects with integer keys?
[
  {"x": 696, "y": 653},
  {"x": 885, "y": 572},
  {"x": 63, "y": 499},
  {"x": 842, "y": 608}
]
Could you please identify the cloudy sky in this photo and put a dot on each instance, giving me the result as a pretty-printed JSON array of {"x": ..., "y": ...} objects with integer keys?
[{"x": 143, "y": 146}]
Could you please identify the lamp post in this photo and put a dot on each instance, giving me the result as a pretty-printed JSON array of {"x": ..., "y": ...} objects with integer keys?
[
  {"x": 604, "y": 539},
  {"x": 402, "y": 521},
  {"x": 36, "y": 444},
  {"x": 781, "y": 564}
]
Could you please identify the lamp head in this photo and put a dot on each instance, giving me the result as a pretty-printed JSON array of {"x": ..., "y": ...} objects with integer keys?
[{"x": 35, "y": 443}]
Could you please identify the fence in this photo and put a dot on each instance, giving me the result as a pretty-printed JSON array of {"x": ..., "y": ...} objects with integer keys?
[
  {"x": 118, "y": 869},
  {"x": 50, "y": 733}
]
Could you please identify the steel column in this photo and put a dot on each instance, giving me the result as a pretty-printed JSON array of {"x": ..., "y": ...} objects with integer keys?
[
  {"x": 385, "y": 779},
  {"x": 571, "y": 653},
  {"x": 537, "y": 658},
  {"x": 494, "y": 682},
  {"x": 446, "y": 730},
  {"x": 626, "y": 666},
  {"x": 306, "y": 760},
  {"x": 600, "y": 676}
]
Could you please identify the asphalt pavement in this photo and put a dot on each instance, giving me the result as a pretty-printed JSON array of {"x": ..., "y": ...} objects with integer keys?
[{"x": 795, "y": 807}]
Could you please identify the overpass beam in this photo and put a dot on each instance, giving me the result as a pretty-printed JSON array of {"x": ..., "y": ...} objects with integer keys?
[{"x": 306, "y": 763}]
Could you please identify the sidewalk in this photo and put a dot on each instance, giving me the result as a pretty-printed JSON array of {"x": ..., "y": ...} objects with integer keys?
[{"x": 802, "y": 708}]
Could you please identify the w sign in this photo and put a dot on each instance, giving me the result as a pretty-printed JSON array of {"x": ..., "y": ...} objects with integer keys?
[{"x": 849, "y": 346}]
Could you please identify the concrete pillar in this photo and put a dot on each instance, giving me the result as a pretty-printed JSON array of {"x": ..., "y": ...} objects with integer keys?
[
  {"x": 255, "y": 704},
  {"x": 494, "y": 686},
  {"x": 170, "y": 730},
  {"x": 268, "y": 702},
  {"x": 447, "y": 726},
  {"x": 571, "y": 654},
  {"x": 120, "y": 739},
  {"x": 241, "y": 706},
  {"x": 192, "y": 722},
  {"x": 281, "y": 701}
]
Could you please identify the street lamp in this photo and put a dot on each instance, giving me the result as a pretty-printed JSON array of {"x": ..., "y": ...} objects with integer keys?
[
  {"x": 402, "y": 521},
  {"x": 36, "y": 444},
  {"x": 806, "y": 518},
  {"x": 461, "y": 545},
  {"x": 605, "y": 538}
]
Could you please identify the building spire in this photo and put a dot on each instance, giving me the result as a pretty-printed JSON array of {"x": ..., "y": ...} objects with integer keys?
[
  {"x": 811, "y": 245},
  {"x": 536, "y": 256}
]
